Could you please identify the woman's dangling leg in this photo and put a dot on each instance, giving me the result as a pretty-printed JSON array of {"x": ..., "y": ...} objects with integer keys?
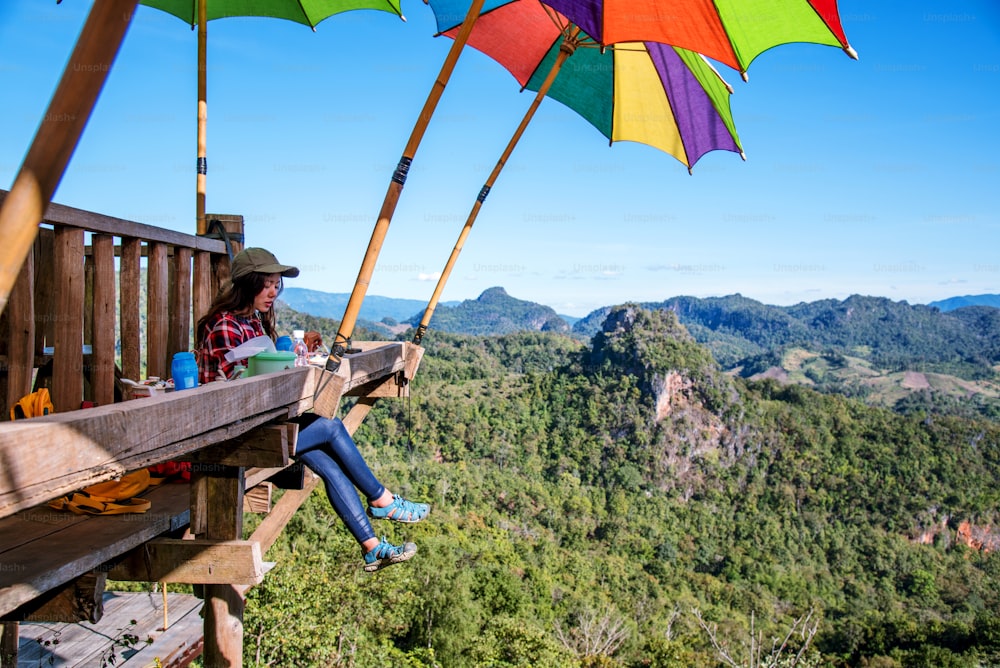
[
  {"x": 332, "y": 436},
  {"x": 344, "y": 450},
  {"x": 377, "y": 553},
  {"x": 341, "y": 493}
]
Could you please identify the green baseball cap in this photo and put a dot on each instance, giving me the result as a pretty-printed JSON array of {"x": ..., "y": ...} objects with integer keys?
[{"x": 261, "y": 261}]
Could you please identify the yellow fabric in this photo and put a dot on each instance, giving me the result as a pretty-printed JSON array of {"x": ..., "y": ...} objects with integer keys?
[
  {"x": 113, "y": 497},
  {"x": 32, "y": 405},
  {"x": 649, "y": 119}
]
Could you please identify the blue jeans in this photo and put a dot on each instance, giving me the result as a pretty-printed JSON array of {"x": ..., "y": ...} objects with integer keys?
[{"x": 327, "y": 448}]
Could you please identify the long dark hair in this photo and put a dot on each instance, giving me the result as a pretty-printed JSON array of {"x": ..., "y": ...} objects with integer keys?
[{"x": 238, "y": 298}]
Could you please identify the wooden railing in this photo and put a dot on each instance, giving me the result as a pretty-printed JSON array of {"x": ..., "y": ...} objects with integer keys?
[{"x": 64, "y": 303}]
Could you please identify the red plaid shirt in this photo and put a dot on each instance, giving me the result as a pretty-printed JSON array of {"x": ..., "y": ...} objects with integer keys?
[{"x": 225, "y": 333}]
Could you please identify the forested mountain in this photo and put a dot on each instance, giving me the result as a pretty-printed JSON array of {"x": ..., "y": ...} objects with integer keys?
[
  {"x": 890, "y": 353},
  {"x": 890, "y": 334},
  {"x": 626, "y": 504},
  {"x": 494, "y": 312}
]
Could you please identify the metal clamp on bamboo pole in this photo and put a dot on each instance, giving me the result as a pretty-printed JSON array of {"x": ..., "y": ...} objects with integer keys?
[{"x": 338, "y": 349}]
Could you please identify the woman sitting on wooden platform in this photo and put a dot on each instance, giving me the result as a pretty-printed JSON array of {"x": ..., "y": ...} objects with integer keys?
[{"x": 244, "y": 310}]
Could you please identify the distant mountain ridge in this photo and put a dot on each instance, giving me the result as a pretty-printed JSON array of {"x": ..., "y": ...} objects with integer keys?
[
  {"x": 953, "y": 303},
  {"x": 963, "y": 342},
  {"x": 332, "y": 305}
]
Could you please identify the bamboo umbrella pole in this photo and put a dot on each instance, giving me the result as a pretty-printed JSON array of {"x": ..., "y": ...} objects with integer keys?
[
  {"x": 566, "y": 49},
  {"x": 346, "y": 329},
  {"x": 59, "y": 133},
  {"x": 202, "y": 166}
]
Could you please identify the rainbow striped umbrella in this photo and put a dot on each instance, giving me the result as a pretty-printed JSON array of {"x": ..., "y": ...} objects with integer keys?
[
  {"x": 733, "y": 32},
  {"x": 664, "y": 96},
  {"x": 647, "y": 92}
]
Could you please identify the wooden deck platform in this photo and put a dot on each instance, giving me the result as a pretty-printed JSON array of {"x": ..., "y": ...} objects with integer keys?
[
  {"x": 85, "y": 645},
  {"x": 42, "y": 548}
]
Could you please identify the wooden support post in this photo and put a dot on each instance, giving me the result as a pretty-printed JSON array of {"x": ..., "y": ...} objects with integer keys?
[
  {"x": 131, "y": 255},
  {"x": 201, "y": 290},
  {"x": 224, "y": 603},
  {"x": 179, "y": 302},
  {"x": 45, "y": 289},
  {"x": 8, "y": 644},
  {"x": 157, "y": 317},
  {"x": 20, "y": 334},
  {"x": 67, "y": 365},
  {"x": 102, "y": 361}
]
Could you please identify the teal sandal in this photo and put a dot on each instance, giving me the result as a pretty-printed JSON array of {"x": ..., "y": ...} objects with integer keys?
[
  {"x": 400, "y": 510},
  {"x": 386, "y": 554}
]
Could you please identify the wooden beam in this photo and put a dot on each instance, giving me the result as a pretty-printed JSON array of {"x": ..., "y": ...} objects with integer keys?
[
  {"x": 359, "y": 411},
  {"x": 267, "y": 446},
  {"x": 198, "y": 561},
  {"x": 79, "y": 600},
  {"x": 59, "y": 133},
  {"x": 329, "y": 391},
  {"x": 72, "y": 450},
  {"x": 356, "y": 370},
  {"x": 60, "y": 214},
  {"x": 258, "y": 499},
  {"x": 75, "y": 449},
  {"x": 254, "y": 476},
  {"x": 271, "y": 526}
]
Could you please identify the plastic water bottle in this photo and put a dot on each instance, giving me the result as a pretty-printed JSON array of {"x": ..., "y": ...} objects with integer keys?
[
  {"x": 184, "y": 370},
  {"x": 299, "y": 348}
]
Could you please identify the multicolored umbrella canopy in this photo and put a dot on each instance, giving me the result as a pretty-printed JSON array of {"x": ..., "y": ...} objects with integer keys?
[
  {"x": 307, "y": 12},
  {"x": 733, "y": 32},
  {"x": 664, "y": 96},
  {"x": 646, "y": 92}
]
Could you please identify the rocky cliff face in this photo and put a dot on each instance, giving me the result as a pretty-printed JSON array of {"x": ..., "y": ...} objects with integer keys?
[{"x": 694, "y": 409}]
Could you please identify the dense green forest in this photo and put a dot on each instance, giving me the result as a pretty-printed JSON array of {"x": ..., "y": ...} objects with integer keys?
[{"x": 624, "y": 503}]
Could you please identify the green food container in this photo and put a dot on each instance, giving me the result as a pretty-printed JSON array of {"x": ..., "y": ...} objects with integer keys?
[{"x": 262, "y": 363}]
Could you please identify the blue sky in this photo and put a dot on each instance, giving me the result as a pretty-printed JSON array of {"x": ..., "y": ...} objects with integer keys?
[{"x": 876, "y": 177}]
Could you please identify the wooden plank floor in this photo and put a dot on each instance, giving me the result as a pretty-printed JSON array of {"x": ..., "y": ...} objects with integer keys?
[{"x": 86, "y": 645}]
